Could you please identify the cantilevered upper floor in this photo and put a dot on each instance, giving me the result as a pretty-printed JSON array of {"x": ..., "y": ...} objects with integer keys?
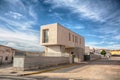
[{"x": 56, "y": 34}]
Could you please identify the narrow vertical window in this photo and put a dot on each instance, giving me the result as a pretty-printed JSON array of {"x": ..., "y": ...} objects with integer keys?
[
  {"x": 45, "y": 36},
  {"x": 69, "y": 37},
  {"x": 76, "y": 39},
  {"x": 80, "y": 41},
  {"x": 73, "y": 38}
]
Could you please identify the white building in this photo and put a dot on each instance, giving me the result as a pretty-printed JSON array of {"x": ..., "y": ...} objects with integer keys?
[{"x": 60, "y": 41}]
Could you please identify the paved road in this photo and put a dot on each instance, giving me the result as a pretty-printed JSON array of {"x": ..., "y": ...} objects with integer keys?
[{"x": 104, "y": 69}]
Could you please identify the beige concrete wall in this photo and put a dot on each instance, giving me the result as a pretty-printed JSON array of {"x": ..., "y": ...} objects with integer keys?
[
  {"x": 56, "y": 50},
  {"x": 28, "y": 63},
  {"x": 53, "y": 51},
  {"x": 63, "y": 37},
  {"x": 52, "y": 34},
  {"x": 59, "y": 35}
]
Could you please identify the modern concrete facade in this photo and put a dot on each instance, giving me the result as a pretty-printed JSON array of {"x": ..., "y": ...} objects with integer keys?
[
  {"x": 6, "y": 54},
  {"x": 60, "y": 41}
]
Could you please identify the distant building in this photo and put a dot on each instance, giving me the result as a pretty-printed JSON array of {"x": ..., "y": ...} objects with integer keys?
[
  {"x": 115, "y": 52},
  {"x": 87, "y": 50},
  {"x": 6, "y": 54},
  {"x": 60, "y": 41}
]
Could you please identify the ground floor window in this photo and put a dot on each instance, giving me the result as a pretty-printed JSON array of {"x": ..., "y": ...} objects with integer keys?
[{"x": 6, "y": 58}]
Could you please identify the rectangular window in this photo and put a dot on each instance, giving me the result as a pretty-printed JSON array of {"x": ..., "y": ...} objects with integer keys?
[
  {"x": 76, "y": 39},
  {"x": 45, "y": 36},
  {"x": 69, "y": 37},
  {"x": 80, "y": 41},
  {"x": 73, "y": 38}
]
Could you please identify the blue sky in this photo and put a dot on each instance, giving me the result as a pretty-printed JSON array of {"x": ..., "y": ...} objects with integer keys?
[{"x": 97, "y": 20}]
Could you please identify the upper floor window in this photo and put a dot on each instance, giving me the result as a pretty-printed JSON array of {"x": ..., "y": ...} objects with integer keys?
[
  {"x": 76, "y": 39},
  {"x": 69, "y": 37},
  {"x": 80, "y": 40},
  {"x": 45, "y": 36},
  {"x": 73, "y": 37}
]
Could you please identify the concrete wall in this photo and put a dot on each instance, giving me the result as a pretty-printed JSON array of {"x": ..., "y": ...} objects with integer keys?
[
  {"x": 59, "y": 35},
  {"x": 94, "y": 57},
  {"x": 52, "y": 34},
  {"x": 53, "y": 51},
  {"x": 18, "y": 62},
  {"x": 63, "y": 37},
  {"x": 27, "y": 63}
]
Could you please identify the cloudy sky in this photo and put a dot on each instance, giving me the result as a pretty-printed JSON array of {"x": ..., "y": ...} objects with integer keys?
[{"x": 97, "y": 20}]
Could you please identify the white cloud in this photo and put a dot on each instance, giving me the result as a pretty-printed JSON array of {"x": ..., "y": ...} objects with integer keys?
[
  {"x": 7, "y": 34},
  {"x": 109, "y": 45},
  {"x": 20, "y": 24},
  {"x": 16, "y": 29},
  {"x": 14, "y": 15},
  {"x": 82, "y": 8},
  {"x": 28, "y": 40},
  {"x": 94, "y": 43},
  {"x": 114, "y": 46},
  {"x": 32, "y": 13},
  {"x": 27, "y": 9},
  {"x": 17, "y": 3},
  {"x": 107, "y": 29},
  {"x": 117, "y": 37},
  {"x": 79, "y": 27},
  {"x": 56, "y": 15}
]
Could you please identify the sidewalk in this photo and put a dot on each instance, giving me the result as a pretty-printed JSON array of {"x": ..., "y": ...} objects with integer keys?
[{"x": 10, "y": 71}]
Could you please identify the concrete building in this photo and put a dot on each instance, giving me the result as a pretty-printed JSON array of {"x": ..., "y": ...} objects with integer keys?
[
  {"x": 6, "y": 54},
  {"x": 62, "y": 46},
  {"x": 60, "y": 41}
]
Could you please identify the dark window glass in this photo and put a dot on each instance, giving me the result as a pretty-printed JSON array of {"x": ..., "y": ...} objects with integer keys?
[
  {"x": 45, "y": 36},
  {"x": 73, "y": 38},
  {"x": 80, "y": 40},
  {"x": 69, "y": 37},
  {"x": 6, "y": 58}
]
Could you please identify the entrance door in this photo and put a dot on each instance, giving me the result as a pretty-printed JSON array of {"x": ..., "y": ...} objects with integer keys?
[
  {"x": 72, "y": 57},
  {"x": 0, "y": 60}
]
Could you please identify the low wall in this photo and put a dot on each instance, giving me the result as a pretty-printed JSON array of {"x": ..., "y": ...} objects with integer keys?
[
  {"x": 28, "y": 63},
  {"x": 94, "y": 57}
]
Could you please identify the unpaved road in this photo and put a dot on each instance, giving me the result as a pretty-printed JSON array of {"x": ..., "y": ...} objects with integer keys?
[{"x": 104, "y": 69}]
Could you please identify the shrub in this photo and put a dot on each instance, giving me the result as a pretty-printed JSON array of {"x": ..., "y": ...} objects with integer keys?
[{"x": 103, "y": 52}]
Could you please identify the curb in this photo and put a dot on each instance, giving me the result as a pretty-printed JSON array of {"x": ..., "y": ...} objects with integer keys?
[{"x": 47, "y": 70}]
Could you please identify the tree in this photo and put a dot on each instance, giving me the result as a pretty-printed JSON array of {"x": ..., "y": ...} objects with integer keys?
[{"x": 103, "y": 52}]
